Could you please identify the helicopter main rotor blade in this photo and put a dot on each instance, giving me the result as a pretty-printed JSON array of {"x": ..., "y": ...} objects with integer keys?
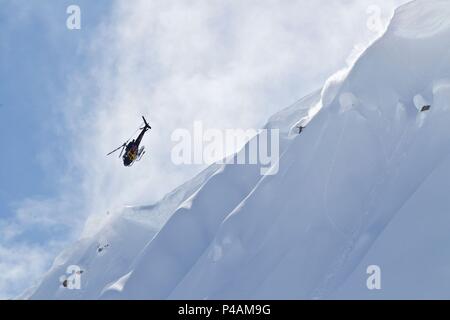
[
  {"x": 115, "y": 150},
  {"x": 123, "y": 148}
]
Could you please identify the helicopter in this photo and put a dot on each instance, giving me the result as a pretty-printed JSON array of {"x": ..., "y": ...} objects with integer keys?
[{"x": 130, "y": 149}]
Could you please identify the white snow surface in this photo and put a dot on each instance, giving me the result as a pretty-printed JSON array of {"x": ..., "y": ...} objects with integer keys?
[{"x": 366, "y": 183}]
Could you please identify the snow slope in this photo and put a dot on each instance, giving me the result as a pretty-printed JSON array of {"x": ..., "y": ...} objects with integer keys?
[
  {"x": 349, "y": 193},
  {"x": 123, "y": 237}
]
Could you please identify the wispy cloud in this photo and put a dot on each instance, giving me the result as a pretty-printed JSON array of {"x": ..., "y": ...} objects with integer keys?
[
  {"x": 31, "y": 239},
  {"x": 21, "y": 266}
]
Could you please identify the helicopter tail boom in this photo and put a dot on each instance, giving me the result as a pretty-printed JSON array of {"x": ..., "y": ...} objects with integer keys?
[{"x": 146, "y": 125}]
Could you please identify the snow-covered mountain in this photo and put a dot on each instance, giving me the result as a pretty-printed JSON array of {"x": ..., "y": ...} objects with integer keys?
[{"x": 365, "y": 183}]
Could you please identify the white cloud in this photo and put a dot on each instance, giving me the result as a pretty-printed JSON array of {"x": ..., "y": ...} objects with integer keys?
[
  {"x": 30, "y": 240},
  {"x": 22, "y": 265}
]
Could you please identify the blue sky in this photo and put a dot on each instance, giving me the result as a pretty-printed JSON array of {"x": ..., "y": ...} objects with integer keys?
[
  {"x": 38, "y": 54},
  {"x": 69, "y": 97}
]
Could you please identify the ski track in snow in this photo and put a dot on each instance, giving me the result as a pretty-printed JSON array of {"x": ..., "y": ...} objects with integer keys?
[{"x": 330, "y": 175}]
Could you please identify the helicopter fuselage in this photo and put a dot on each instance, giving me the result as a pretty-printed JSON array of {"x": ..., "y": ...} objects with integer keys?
[{"x": 130, "y": 149}]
